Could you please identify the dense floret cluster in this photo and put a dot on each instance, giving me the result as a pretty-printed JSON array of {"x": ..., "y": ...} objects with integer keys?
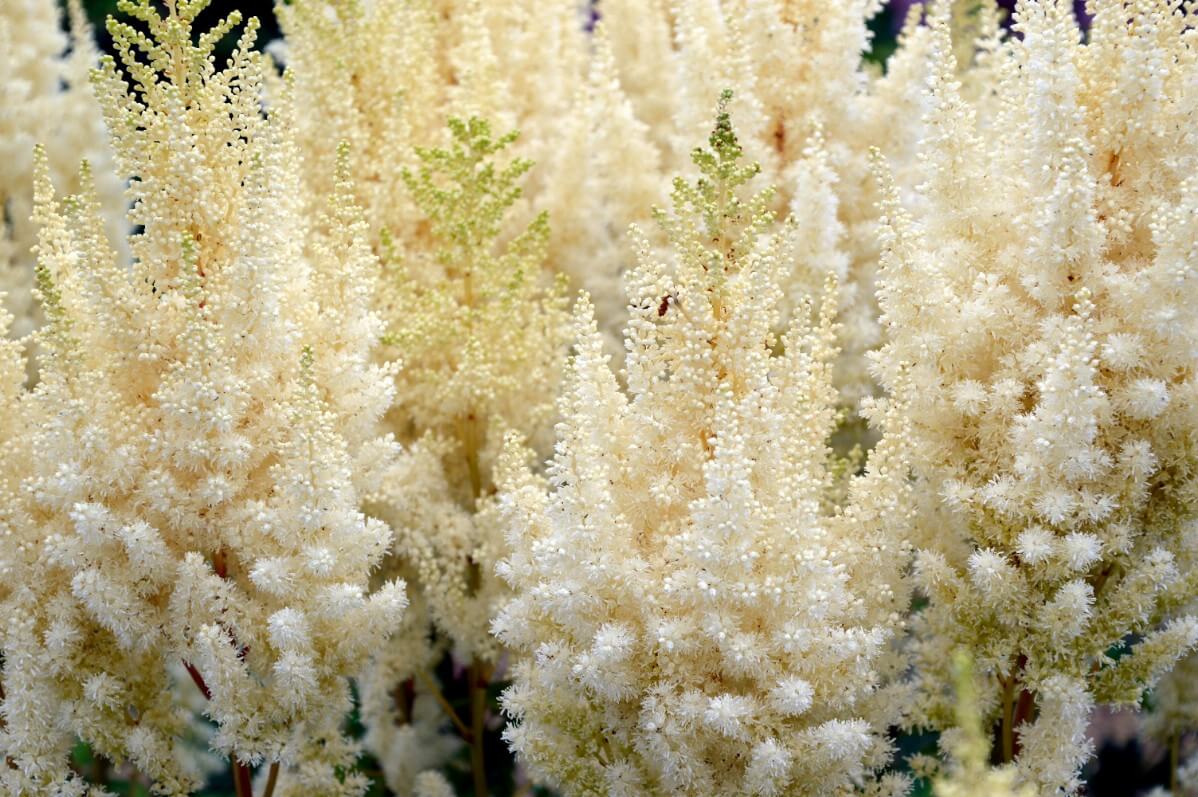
[{"x": 411, "y": 406}]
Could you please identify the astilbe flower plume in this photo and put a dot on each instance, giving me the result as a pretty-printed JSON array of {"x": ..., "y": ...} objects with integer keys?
[
  {"x": 809, "y": 106},
  {"x": 481, "y": 335},
  {"x": 693, "y": 614},
  {"x": 1045, "y": 288},
  {"x": 186, "y": 496},
  {"x": 46, "y": 98},
  {"x": 609, "y": 116},
  {"x": 478, "y": 325}
]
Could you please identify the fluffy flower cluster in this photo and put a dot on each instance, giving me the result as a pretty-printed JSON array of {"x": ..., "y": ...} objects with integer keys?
[
  {"x": 481, "y": 341},
  {"x": 46, "y": 99},
  {"x": 184, "y": 479},
  {"x": 797, "y": 72},
  {"x": 475, "y": 319},
  {"x": 1045, "y": 292},
  {"x": 717, "y": 627},
  {"x": 326, "y": 324},
  {"x": 634, "y": 90}
]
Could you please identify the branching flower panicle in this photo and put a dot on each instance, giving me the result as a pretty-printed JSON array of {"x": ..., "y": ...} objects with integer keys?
[
  {"x": 481, "y": 338},
  {"x": 1045, "y": 290},
  {"x": 46, "y": 99},
  {"x": 189, "y": 496},
  {"x": 691, "y": 616},
  {"x": 480, "y": 333}
]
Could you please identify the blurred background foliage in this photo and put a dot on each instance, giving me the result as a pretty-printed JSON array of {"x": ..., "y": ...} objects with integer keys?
[{"x": 1122, "y": 768}]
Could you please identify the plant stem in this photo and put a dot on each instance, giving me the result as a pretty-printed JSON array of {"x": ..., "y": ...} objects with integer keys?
[
  {"x": 272, "y": 778},
  {"x": 1018, "y": 706},
  {"x": 241, "y": 773},
  {"x": 470, "y": 433},
  {"x": 99, "y": 770},
  {"x": 1025, "y": 706},
  {"x": 198, "y": 679},
  {"x": 1174, "y": 761},
  {"x": 241, "y": 779},
  {"x": 444, "y": 704},
  {"x": 402, "y": 696},
  {"x": 1008, "y": 720},
  {"x": 478, "y": 713}
]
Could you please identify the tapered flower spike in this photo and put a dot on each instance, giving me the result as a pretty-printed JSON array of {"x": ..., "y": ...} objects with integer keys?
[
  {"x": 695, "y": 612},
  {"x": 482, "y": 334},
  {"x": 188, "y": 503},
  {"x": 46, "y": 98},
  {"x": 1038, "y": 287}
]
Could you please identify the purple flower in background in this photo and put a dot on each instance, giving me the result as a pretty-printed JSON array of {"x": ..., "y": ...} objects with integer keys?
[{"x": 591, "y": 16}]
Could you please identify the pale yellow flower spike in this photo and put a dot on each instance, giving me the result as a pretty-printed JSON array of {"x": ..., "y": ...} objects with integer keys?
[
  {"x": 1043, "y": 286},
  {"x": 186, "y": 515},
  {"x": 46, "y": 99},
  {"x": 693, "y": 615}
]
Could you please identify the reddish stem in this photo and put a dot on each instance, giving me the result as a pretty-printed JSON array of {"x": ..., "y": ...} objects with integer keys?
[
  {"x": 241, "y": 773},
  {"x": 1023, "y": 712},
  {"x": 404, "y": 694},
  {"x": 241, "y": 779},
  {"x": 1019, "y": 705},
  {"x": 272, "y": 777},
  {"x": 220, "y": 564},
  {"x": 478, "y": 712},
  {"x": 199, "y": 680}
]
